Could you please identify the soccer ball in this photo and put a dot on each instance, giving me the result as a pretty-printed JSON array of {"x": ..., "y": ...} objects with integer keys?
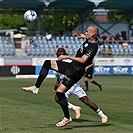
[{"x": 30, "y": 15}]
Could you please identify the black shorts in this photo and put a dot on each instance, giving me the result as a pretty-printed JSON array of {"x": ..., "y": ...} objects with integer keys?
[
  {"x": 71, "y": 77},
  {"x": 89, "y": 73}
]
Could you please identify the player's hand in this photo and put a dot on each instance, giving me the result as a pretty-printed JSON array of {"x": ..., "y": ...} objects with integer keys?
[
  {"x": 86, "y": 69},
  {"x": 61, "y": 57},
  {"x": 81, "y": 35}
]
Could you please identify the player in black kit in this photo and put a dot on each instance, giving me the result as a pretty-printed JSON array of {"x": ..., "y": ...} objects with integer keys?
[
  {"x": 73, "y": 72},
  {"x": 89, "y": 76}
]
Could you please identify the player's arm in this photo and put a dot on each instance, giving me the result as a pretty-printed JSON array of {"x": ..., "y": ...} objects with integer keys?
[
  {"x": 82, "y": 59},
  {"x": 77, "y": 59},
  {"x": 81, "y": 35},
  {"x": 92, "y": 64}
]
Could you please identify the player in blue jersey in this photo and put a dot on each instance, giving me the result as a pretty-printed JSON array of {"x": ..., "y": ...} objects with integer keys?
[{"x": 73, "y": 72}]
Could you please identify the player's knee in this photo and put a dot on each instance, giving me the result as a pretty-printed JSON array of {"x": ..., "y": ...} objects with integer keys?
[
  {"x": 90, "y": 80},
  {"x": 86, "y": 100},
  {"x": 47, "y": 64}
]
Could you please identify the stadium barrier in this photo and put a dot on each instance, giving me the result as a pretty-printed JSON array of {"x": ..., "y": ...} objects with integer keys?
[{"x": 30, "y": 67}]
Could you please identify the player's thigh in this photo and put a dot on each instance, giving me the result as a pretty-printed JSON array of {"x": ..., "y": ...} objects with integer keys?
[
  {"x": 61, "y": 88},
  {"x": 54, "y": 65}
]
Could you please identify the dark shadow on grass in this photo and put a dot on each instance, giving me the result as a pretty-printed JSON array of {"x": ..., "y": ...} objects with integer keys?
[
  {"x": 86, "y": 126},
  {"x": 82, "y": 120},
  {"x": 70, "y": 126}
]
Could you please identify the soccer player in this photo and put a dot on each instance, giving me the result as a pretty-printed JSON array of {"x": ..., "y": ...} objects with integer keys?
[
  {"x": 73, "y": 72},
  {"x": 75, "y": 90},
  {"x": 89, "y": 75}
]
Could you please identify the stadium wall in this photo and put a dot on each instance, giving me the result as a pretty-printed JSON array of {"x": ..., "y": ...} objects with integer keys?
[{"x": 30, "y": 67}]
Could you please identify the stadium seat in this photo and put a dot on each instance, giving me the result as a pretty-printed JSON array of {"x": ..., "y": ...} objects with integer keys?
[
  {"x": 47, "y": 52},
  {"x": 44, "y": 41},
  {"x": 33, "y": 51},
  {"x": 126, "y": 53},
  {"x": 2, "y": 51},
  {"x": 41, "y": 46},
  {"x": 72, "y": 42},
  {"x": 63, "y": 41},
  {"x": 62, "y": 38},
  {"x": 42, "y": 52},
  {"x": 71, "y": 51},
  {"x": 117, "y": 52},
  {"x": 76, "y": 38},
  {"x": 12, "y": 51},
  {"x": 74, "y": 46},
  {"x": 131, "y": 52},
  {"x": 45, "y": 46},
  {"x": 51, "y": 46},
  {"x": 51, "y": 52},
  {"x": 121, "y": 52},
  {"x": 37, "y": 51},
  {"x": 115, "y": 46},
  {"x": 28, "y": 52},
  {"x": 57, "y": 38},
  {"x": 71, "y": 38},
  {"x": 7, "y": 52},
  {"x": 77, "y": 41},
  {"x": 34, "y": 38},
  {"x": 58, "y": 41},
  {"x": 120, "y": 46}
]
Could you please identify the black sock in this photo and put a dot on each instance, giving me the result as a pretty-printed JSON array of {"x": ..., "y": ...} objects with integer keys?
[
  {"x": 39, "y": 81},
  {"x": 86, "y": 85},
  {"x": 95, "y": 83},
  {"x": 43, "y": 73},
  {"x": 62, "y": 101}
]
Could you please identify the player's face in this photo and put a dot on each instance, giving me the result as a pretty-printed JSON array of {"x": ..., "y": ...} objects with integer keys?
[
  {"x": 89, "y": 33},
  {"x": 59, "y": 53}
]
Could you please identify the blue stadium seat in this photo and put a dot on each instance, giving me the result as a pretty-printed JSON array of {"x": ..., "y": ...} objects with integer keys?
[
  {"x": 71, "y": 38},
  {"x": 71, "y": 51},
  {"x": 131, "y": 52},
  {"x": 126, "y": 52},
  {"x": 33, "y": 51},
  {"x": 51, "y": 52},
  {"x": 47, "y": 52},
  {"x": 62, "y": 38},
  {"x": 34, "y": 38},
  {"x": 121, "y": 52},
  {"x": 42, "y": 52},
  {"x": 7, "y": 52},
  {"x": 2, "y": 51},
  {"x": 28, "y": 51},
  {"x": 117, "y": 52},
  {"x": 12, "y": 51},
  {"x": 37, "y": 51}
]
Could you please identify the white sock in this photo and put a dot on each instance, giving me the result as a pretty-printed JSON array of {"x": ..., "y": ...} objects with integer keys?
[
  {"x": 100, "y": 113},
  {"x": 71, "y": 106}
]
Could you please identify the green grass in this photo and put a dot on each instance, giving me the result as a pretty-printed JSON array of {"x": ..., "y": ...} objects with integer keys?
[{"x": 22, "y": 112}]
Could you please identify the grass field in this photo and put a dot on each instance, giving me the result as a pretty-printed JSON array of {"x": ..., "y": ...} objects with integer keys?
[{"x": 22, "y": 112}]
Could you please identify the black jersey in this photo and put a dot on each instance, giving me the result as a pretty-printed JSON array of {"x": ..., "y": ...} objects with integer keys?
[{"x": 88, "y": 49}]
